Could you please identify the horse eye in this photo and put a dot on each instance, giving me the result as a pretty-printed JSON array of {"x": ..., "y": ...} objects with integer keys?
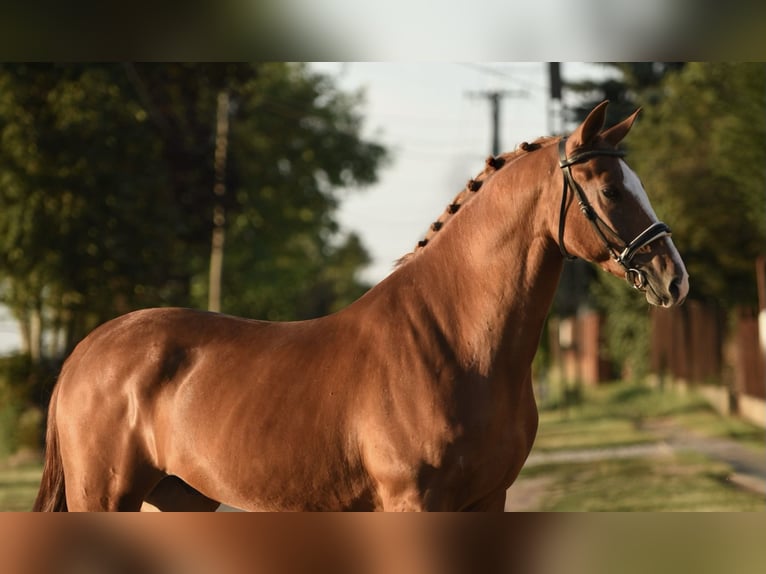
[{"x": 610, "y": 192}]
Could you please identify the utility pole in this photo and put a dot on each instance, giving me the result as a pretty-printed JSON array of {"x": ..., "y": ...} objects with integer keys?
[
  {"x": 219, "y": 189},
  {"x": 555, "y": 100},
  {"x": 495, "y": 98}
]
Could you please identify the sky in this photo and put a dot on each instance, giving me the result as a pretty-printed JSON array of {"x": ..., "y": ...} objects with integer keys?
[{"x": 437, "y": 126}]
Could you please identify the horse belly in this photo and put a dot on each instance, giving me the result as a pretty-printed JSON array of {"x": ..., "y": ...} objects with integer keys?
[
  {"x": 278, "y": 484},
  {"x": 266, "y": 454}
]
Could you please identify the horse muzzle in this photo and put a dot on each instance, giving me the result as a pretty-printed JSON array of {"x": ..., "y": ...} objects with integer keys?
[
  {"x": 662, "y": 290},
  {"x": 666, "y": 283}
]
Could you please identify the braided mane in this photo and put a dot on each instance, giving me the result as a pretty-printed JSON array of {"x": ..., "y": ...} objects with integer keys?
[{"x": 492, "y": 165}]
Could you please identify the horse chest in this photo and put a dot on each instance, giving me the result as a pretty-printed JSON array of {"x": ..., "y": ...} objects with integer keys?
[{"x": 447, "y": 458}]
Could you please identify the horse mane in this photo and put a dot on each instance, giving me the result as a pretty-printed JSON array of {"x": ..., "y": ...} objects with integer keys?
[{"x": 491, "y": 166}]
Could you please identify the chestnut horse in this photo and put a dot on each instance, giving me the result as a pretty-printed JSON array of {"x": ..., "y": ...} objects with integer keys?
[{"x": 417, "y": 396}]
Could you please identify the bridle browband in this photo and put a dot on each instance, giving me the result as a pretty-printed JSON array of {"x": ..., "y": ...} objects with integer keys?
[{"x": 655, "y": 231}]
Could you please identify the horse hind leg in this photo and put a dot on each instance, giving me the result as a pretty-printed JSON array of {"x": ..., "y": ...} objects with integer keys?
[
  {"x": 107, "y": 476},
  {"x": 83, "y": 497},
  {"x": 136, "y": 489},
  {"x": 114, "y": 490},
  {"x": 171, "y": 494}
]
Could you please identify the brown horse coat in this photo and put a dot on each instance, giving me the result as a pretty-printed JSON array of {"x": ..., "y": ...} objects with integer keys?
[{"x": 416, "y": 397}]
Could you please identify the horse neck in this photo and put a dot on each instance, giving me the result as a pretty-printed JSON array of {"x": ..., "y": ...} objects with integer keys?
[{"x": 485, "y": 284}]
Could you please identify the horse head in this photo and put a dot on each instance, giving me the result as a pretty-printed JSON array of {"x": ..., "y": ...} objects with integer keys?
[{"x": 615, "y": 226}]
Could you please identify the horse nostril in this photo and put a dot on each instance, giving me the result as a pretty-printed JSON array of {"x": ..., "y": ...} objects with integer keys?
[{"x": 675, "y": 288}]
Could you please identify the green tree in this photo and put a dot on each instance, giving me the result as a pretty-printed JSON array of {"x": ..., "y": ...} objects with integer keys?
[
  {"x": 701, "y": 151},
  {"x": 285, "y": 245},
  {"x": 635, "y": 83},
  {"x": 106, "y": 177},
  {"x": 79, "y": 177}
]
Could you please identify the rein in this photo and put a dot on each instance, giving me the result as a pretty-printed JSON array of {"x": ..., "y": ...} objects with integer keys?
[{"x": 655, "y": 231}]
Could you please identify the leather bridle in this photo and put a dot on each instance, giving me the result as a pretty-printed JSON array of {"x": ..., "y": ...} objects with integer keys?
[{"x": 655, "y": 231}]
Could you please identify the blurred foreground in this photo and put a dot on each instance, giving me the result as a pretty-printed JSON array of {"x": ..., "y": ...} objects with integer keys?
[
  {"x": 295, "y": 28},
  {"x": 353, "y": 543}
]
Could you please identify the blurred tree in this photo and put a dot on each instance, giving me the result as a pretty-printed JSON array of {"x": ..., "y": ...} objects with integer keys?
[
  {"x": 106, "y": 177},
  {"x": 699, "y": 149},
  {"x": 79, "y": 179},
  {"x": 305, "y": 133},
  {"x": 631, "y": 85}
]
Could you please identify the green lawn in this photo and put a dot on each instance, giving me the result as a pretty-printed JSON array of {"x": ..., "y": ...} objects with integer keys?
[
  {"x": 679, "y": 483},
  {"x": 619, "y": 415},
  {"x": 608, "y": 416},
  {"x": 18, "y": 487}
]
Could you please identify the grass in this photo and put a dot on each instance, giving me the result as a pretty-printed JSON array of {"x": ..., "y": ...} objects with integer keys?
[
  {"x": 560, "y": 432},
  {"x": 679, "y": 483},
  {"x": 605, "y": 417},
  {"x": 18, "y": 486},
  {"x": 618, "y": 414},
  {"x": 710, "y": 424},
  {"x": 623, "y": 414}
]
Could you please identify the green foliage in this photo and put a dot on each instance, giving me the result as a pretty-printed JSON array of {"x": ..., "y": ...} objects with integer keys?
[
  {"x": 633, "y": 83},
  {"x": 701, "y": 152},
  {"x": 14, "y": 374},
  {"x": 284, "y": 207},
  {"x": 106, "y": 178},
  {"x": 626, "y": 326},
  {"x": 79, "y": 232},
  {"x": 9, "y": 422},
  {"x": 24, "y": 389}
]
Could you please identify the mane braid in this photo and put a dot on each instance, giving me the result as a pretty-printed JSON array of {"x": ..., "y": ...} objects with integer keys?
[{"x": 471, "y": 189}]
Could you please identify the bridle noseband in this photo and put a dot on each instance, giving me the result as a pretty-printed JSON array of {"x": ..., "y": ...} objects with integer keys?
[{"x": 655, "y": 231}]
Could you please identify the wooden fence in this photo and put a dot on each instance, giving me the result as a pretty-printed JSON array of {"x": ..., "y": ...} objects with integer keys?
[
  {"x": 694, "y": 344},
  {"x": 698, "y": 345},
  {"x": 691, "y": 344}
]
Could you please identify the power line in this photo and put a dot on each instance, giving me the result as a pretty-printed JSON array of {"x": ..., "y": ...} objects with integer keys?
[
  {"x": 512, "y": 76},
  {"x": 495, "y": 98}
]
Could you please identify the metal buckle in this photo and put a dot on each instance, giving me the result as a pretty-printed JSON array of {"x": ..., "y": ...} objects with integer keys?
[{"x": 637, "y": 278}]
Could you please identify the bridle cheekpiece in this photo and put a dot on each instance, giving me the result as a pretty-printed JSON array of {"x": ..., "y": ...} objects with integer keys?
[{"x": 655, "y": 231}]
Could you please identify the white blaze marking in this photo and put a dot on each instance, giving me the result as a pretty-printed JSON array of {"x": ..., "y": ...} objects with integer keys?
[{"x": 633, "y": 185}]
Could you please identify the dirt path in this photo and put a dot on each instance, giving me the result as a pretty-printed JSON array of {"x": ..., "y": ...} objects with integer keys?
[{"x": 748, "y": 466}]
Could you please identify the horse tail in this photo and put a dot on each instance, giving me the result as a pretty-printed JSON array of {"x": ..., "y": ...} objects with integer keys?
[{"x": 52, "y": 494}]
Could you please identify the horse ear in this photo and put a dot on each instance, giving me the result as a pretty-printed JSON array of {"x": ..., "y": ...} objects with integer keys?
[
  {"x": 615, "y": 134},
  {"x": 589, "y": 129}
]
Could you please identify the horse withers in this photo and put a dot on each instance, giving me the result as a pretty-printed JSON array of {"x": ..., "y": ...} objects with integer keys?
[{"x": 418, "y": 396}]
